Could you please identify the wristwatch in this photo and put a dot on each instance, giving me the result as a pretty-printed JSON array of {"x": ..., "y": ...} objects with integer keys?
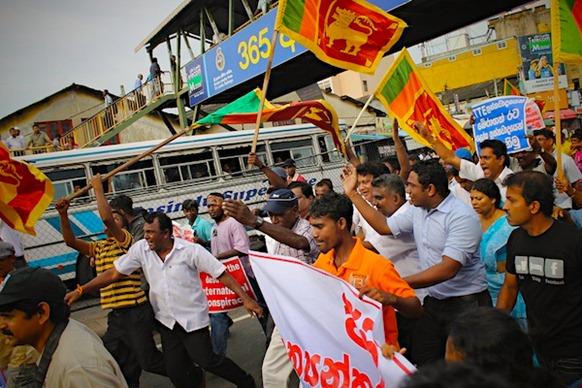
[{"x": 259, "y": 221}]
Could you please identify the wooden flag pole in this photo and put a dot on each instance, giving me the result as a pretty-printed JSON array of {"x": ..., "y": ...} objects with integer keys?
[
  {"x": 264, "y": 94},
  {"x": 134, "y": 160},
  {"x": 558, "y": 127},
  {"x": 351, "y": 131}
]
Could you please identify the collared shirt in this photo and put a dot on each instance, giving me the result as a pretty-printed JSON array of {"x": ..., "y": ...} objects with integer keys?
[
  {"x": 203, "y": 228},
  {"x": 367, "y": 268},
  {"x": 303, "y": 228},
  {"x": 38, "y": 140},
  {"x": 540, "y": 165},
  {"x": 176, "y": 292},
  {"x": 231, "y": 234},
  {"x": 451, "y": 229},
  {"x": 14, "y": 143},
  {"x": 401, "y": 250},
  {"x": 472, "y": 172},
  {"x": 81, "y": 360}
]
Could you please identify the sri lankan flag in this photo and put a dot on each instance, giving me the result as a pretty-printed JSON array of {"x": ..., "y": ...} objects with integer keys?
[
  {"x": 25, "y": 193},
  {"x": 567, "y": 31},
  {"x": 407, "y": 97},
  {"x": 510, "y": 90},
  {"x": 351, "y": 34},
  {"x": 244, "y": 110}
]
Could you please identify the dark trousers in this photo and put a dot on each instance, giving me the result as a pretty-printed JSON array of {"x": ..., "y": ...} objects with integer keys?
[
  {"x": 406, "y": 330},
  {"x": 129, "y": 339},
  {"x": 432, "y": 327},
  {"x": 182, "y": 349},
  {"x": 564, "y": 371}
]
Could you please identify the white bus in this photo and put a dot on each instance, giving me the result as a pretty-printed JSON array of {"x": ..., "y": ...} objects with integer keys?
[{"x": 190, "y": 167}]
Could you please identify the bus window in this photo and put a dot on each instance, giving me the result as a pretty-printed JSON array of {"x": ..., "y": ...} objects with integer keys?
[
  {"x": 299, "y": 150},
  {"x": 329, "y": 153},
  {"x": 128, "y": 181},
  {"x": 236, "y": 159},
  {"x": 186, "y": 167},
  {"x": 64, "y": 181},
  {"x": 137, "y": 176}
]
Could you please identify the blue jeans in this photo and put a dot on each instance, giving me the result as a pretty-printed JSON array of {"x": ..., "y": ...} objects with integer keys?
[{"x": 219, "y": 324}]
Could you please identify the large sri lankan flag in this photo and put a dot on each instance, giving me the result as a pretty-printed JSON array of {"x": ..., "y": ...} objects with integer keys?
[
  {"x": 567, "y": 31},
  {"x": 244, "y": 111},
  {"x": 25, "y": 193},
  {"x": 351, "y": 34},
  {"x": 407, "y": 97}
]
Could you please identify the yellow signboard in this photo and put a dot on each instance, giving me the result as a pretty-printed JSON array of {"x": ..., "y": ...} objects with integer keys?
[{"x": 548, "y": 97}]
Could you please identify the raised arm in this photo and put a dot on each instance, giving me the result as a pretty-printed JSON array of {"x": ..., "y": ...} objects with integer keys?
[
  {"x": 243, "y": 214},
  {"x": 550, "y": 162},
  {"x": 274, "y": 179},
  {"x": 401, "y": 153},
  {"x": 443, "y": 152},
  {"x": 62, "y": 206},
  {"x": 105, "y": 210},
  {"x": 373, "y": 216},
  {"x": 351, "y": 156}
]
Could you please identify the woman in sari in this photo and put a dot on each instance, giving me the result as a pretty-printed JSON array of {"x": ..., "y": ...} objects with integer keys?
[{"x": 486, "y": 201}]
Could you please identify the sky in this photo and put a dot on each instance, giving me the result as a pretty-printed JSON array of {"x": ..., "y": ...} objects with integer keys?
[{"x": 47, "y": 45}]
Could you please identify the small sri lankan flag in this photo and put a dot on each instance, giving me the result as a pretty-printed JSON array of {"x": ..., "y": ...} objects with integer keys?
[
  {"x": 25, "y": 193},
  {"x": 407, "y": 97},
  {"x": 567, "y": 31},
  {"x": 350, "y": 34}
]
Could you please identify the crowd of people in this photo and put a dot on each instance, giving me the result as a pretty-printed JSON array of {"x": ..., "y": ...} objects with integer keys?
[
  {"x": 477, "y": 264},
  {"x": 38, "y": 142}
]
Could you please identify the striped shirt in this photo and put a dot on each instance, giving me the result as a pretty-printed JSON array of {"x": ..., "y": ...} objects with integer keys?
[{"x": 125, "y": 292}]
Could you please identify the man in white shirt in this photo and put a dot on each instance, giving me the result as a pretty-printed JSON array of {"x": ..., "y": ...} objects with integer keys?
[
  {"x": 546, "y": 139},
  {"x": 15, "y": 142},
  {"x": 172, "y": 267}
]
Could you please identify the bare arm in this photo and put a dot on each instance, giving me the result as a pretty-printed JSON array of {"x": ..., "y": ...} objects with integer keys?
[
  {"x": 373, "y": 216},
  {"x": 401, "y": 153},
  {"x": 445, "y": 270},
  {"x": 443, "y": 152},
  {"x": 508, "y": 293},
  {"x": 351, "y": 156},
  {"x": 274, "y": 179},
  {"x": 105, "y": 210},
  {"x": 251, "y": 305},
  {"x": 409, "y": 307},
  {"x": 69, "y": 237},
  {"x": 229, "y": 253},
  {"x": 102, "y": 280}
]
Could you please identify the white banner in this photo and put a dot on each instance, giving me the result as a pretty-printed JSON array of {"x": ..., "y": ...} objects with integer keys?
[{"x": 333, "y": 338}]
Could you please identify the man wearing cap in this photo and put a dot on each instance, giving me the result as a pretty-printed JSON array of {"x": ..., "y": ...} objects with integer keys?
[
  {"x": 292, "y": 174},
  {"x": 33, "y": 312},
  {"x": 293, "y": 237},
  {"x": 19, "y": 362}
]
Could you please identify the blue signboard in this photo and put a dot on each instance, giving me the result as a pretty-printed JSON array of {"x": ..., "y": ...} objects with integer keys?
[
  {"x": 504, "y": 119},
  {"x": 244, "y": 55}
]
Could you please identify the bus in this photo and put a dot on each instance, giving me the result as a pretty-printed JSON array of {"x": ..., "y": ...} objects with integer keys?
[{"x": 189, "y": 167}]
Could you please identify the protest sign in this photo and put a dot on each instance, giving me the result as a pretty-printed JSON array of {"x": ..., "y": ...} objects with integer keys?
[
  {"x": 332, "y": 337},
  {"x": 501, "y": 118}
]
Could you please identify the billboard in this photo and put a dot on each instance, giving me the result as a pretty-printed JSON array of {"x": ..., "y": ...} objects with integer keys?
[{"x": 538, "y": 65}]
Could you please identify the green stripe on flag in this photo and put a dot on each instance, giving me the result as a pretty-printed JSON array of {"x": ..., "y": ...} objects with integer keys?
[
  {"x": 397, "y": 81},
  {"x": 293, "y": 14},
  {"x": 249, "y": 103}
]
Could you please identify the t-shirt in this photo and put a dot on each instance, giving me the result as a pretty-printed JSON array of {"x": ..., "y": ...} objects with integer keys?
[
  {"x": 367, "y": 268},
  {"x": 549, "y": 275},
  {"x": 81, "y": 360},
  {"x": 231, "y": 234},
  {"x": 125, "y": 292}
]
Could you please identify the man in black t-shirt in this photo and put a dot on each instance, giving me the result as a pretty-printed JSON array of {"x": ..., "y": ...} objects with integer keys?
[{"x": 544, "y": 262}]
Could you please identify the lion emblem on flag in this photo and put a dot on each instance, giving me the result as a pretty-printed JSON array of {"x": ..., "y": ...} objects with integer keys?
[{"x": 341, "y": 29}]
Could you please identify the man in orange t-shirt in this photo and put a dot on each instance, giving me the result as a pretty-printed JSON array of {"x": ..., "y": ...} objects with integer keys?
[{"x": 345, "y": 257}]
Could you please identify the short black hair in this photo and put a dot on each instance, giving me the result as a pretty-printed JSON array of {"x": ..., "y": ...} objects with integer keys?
[
  {"x": 371, "y": 168},
  {"x": 535, "y": 186},
  {"x": 325, "y": 182},
  {"x": 216, "y": 194},
  {"x": 441, "y": 374},
  {"x": 163, "y": 219},
  {"x": 334, "y": 206},
  {"x": 392, "y": 183},
  {"x": 498, "y": 148},
  {"x": 122, "y": 202},
  {"x": 431, "y": 172},
  {"x": 545, "y": 133},
  {"x": 190, "y": 204},
  {"x": 577, "y": 135},
  {"x": 60, "y": 311},
  {"x": 306, "y": 188},
  {"x": 123, "y": 219},
  {"x": 489, "y": 188}
]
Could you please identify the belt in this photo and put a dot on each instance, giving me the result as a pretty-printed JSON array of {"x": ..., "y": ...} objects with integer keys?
[{"x": 462, "y": 298}]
